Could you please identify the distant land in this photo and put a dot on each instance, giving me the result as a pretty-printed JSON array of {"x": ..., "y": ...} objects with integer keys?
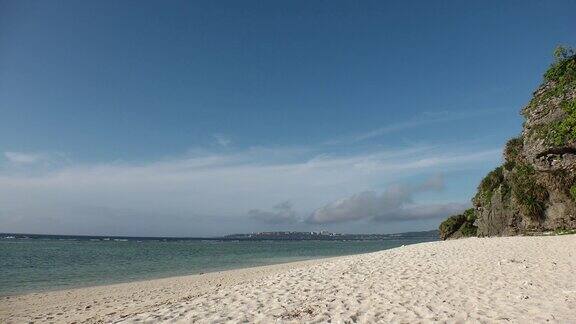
[
  {"x": 324, "y": 235},
  {"x": 257, "y": 236}
]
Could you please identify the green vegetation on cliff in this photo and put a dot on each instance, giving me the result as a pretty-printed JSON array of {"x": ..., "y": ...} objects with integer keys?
[
  {"x": 563, "y": 70},
  {"x": 491, "y": 182},
  {"x": 565, "y": 131},
  {"x": 512, "y": 152},
  {"x": 561, "y": 77},
  {"x": 530, "y": 196},
  {"x": 461, "y": 225},
  {"x": 573, "y": 192}
]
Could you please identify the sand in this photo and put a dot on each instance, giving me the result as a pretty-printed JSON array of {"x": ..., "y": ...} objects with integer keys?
[{"x": 511, "y": 279}]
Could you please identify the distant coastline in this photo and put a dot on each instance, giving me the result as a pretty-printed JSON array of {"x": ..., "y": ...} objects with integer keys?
[{"x": 256, "y": 236}]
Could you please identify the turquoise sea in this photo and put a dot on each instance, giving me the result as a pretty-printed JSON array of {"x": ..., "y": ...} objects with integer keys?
[{"x": 40, "y": 263}]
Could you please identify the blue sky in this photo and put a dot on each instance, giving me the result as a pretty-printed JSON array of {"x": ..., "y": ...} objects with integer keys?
[{"x": 211, "y": 117}]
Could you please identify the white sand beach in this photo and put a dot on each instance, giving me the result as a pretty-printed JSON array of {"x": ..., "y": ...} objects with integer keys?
[{"x": 509, "y": 279}]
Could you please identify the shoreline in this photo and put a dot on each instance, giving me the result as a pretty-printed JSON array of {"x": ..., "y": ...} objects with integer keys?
[
  {"x": 201, "y": 273},
  {"x": 474, "y": 279},
  {"x": 84, "y": 297}
]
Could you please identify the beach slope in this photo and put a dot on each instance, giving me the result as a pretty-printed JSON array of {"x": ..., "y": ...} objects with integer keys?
[{"x": 503, "y": 279}]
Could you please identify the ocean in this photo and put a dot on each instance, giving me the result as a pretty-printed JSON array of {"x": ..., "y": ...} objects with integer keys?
[{"x": 40, "y": 263}]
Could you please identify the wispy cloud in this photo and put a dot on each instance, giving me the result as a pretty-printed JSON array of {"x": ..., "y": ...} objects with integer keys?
[
  {"x": 423, "y": 119},
  {"x": 34, "y": 160},
  {"x": 222, "y": 140},
  {"x": 22, "y": 158}
]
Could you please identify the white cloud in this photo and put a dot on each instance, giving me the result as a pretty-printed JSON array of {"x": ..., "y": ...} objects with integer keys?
[
  {"x": 214, "y": 187},
  {"x": 35, "y": 159},
  {"x": 281, "y": 214},
  {"x": 222, "y": 140},
  {"x": 22, "y": 158},
  {"x": 396, "y": 203}
]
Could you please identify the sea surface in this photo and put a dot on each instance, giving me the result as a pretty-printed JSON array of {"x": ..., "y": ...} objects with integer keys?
[{"x": 41, "y": 263}]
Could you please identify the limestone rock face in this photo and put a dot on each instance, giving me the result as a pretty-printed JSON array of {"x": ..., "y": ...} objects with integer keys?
[
  {"x": 544, "y": 111},
  {"x": 499, "y": 217},
  {"x": 535, "y": 189}
]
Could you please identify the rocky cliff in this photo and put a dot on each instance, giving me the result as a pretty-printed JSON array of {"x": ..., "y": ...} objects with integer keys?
[{"x": 535, "y": 189}]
